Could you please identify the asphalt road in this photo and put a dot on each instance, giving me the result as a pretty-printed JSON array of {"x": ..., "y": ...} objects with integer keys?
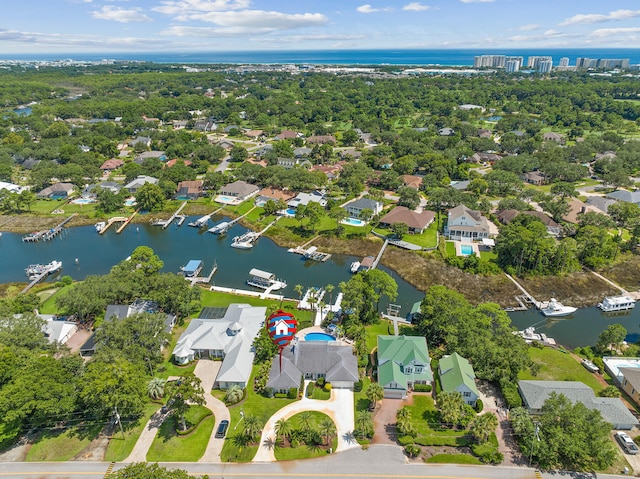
[{"x": 384, "y": 462}]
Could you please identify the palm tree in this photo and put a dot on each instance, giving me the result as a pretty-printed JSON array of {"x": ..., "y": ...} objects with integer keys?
[
  {"x": 329, "y": 289},
  {"x": 234, "y": 394},
  {"x": 482, "y": 426},
  {"x": 155, "y": 388},
  {"x": 305, "y": 420},
  {"x": 252, "y": 426},
  {"x": 364, "y": 423},
  {"x": 298, "y": 289},
  {"x": 374, "y": 393},
  {"x": 403, "y": 413},
  {"x": 327, "y": 429},
  {"x": 284, "y": 428}
]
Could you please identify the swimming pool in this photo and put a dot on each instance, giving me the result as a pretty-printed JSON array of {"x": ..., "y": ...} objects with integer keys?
[
  {"x": 354, "y": 222},
  {"x": 83, "y": 201},
  {"x": 290, "y": 212},
  {"x": 227, "y": 199},
  {"x": 130, "y": 202},
  {"x": 318, "y": 337},
  {"x": 466, "y": 249}
]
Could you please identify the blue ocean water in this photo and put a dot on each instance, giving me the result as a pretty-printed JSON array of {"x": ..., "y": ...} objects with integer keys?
[{"x": 446, "y": 57}]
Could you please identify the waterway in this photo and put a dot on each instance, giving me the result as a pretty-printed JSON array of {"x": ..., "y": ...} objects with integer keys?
[{"x": 96, "y": 254}]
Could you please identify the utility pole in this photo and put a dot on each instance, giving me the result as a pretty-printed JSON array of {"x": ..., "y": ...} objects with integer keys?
[{"x": 118, "y": 421}]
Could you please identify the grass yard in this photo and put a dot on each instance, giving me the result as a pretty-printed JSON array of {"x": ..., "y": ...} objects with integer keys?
[
  {"x": 558, "y": 366},
  {"x": 170, "y": 447},
  {"x": 305, "y": 451},
  {"x": 453, "y": 459},
  {"x": 318, "y": 393},
  {"x": 374, "y": 330},
  {"x": 118, "y": 448},
  {"x": 62, "y": 445},
  {"x": 450, "y": 248},
  {"x": 428, "y": 239},
  {"x": 360, "y": 400},
  {"x": 426, "y": 420},
  {"x": 254, "y": 405}
]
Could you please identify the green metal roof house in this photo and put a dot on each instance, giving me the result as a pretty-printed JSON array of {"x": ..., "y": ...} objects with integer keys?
[
  {"x": 456, "y": 374},
  {"x": 402, "y": 362}
]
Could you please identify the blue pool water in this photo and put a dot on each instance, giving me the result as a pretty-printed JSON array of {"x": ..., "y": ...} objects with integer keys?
[
  {"x": 354, "y": 222},
  {"x": 290, "y": 212},
  {"x": 466, "y": 249},
  {"x": 318, "y": 337},
  {"x": 83, "y": 201}
]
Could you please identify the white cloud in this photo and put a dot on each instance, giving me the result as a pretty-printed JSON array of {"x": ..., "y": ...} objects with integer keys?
[
  {"x": 82, "y": 42},
  {"x": 477, "y": 1},
  {"x": 527, "y": 28},
  {"x": 367, "y": 9},
  {"x": 247, "y": 22},
  {"x": 610, "y": 32},
  {"x": 589, "y": 18},
  {"x": 122, "y": 15},
  {"x": 416, "y": 7},
  {"x": 188, "y": 7}
]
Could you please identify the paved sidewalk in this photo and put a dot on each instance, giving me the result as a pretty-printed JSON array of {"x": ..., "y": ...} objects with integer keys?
[
  {"x": 339, "y": 408},
  {"x": 139, "y": 452},
  {"x": 207, "y": 371}
]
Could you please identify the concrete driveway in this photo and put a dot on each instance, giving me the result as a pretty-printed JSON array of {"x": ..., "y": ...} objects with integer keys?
[
  {"x": 207, "y": 371},
  {"x": 385, "y": 421},
  {"x": 339, "y": 408}
]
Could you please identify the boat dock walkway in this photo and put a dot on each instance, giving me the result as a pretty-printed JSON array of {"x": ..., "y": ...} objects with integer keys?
[
  {"x": 525, "y": 298},
  {"x": 46, "y": 235},
  {"x": 126, "y": 222},
  {"x": 36, "y": 280},
  {"x": 110, "y": 221},
  {"x": 311, "y": 253},
  {"x": 396, "y": 320},
  {"x": 174, "y": 216},
  {"x": 204, "y": 279},
  {"x": 311, "y": 298},
  {"x": 202, "y": 221},
  {"x": 377, "y": 260},
  {"x": 608, "y": 281}
]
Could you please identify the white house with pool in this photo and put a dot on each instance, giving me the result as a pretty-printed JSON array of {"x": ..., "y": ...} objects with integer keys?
[
  {"x": 355, "y": 208},
  {"x": 464, "y": 224}
]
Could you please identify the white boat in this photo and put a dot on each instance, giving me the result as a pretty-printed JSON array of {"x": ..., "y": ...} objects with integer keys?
[
  {"x": 100, "y": 226},
  {"x": 54, "y": 266},
  {"x": 34, "y": 270},
  {"x": 589, "y": 366},
  {"x": 529, "y": 334},
  {"x": 245, "y": 241},
  {"x": 355, "y": 266},
  {"x": 556, "y": 309},
  {"x": 220, "y": 228},
  {"x": 617, "y": 303},
  {"x": 265, "y": 280}
]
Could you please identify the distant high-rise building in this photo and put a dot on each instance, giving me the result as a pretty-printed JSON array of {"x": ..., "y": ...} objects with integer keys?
[
  {"x": 512, "y": 66},
  {"x": 534, "y": 61},
  {"x": 545, "y": 66},
  {"x": 564, "y": 62},
  {"x": 605, "y": 63},
  {"x": 496, "y": 61}
]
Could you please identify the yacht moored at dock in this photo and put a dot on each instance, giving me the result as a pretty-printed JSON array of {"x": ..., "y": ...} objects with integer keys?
[
  {"x": 556, "y": 309},
  {"x": 245, "y": 241},
  {"x": 35, "y": 270},
  {"x": 355, "y": 266},
  {"x": 617, "y": 303},
  {"x": 265, "y": 280}
]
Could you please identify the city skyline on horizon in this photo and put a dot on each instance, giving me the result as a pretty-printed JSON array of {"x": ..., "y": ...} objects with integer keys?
[{"x": 147, "y": 26}]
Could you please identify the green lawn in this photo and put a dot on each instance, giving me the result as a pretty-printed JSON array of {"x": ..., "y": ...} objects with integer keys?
[
  {"x": 428, "y": 239},
  {"x": 118, "y": 448},
  {"x": 360, "y": 400},
  {"x": 254, "y": 405},
  {"x": 453, "y": 459},
  {"x": 49, "y": 305},
  {"x": 170, "y": 447},
  {"x": 304, "y": 451},
  {"x": 374, "y": 330},
  {"x": 426, "y": 420},
  {"x": 450, "y": 248},
  {"x": 558, "y": 366},
  {"x": 62, "y": 445},
  {"x": 318, "y": 393}
]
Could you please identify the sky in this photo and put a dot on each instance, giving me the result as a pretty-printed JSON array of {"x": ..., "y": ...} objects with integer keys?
[{"x": 132, "y": 26}]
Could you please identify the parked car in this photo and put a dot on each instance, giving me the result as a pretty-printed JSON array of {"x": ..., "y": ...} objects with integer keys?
[
  {"x": 222, "y": 429},
  {"x": 589, "y": 366},
  {"x": 626, "y": 443}
]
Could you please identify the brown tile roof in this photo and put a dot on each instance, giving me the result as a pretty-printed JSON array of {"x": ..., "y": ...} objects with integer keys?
[
  {"x": 277, "y": 194},
  {"x": 171, "y": 163},
  {"x": 320, "y": 139},
  {"x": 402, "y": 214},
  {"x": 112, "y": 164},
  {"x": 507, "y": 217},
  {"x": 412, "y": 181},
  {"x": 576, "y": 208}
]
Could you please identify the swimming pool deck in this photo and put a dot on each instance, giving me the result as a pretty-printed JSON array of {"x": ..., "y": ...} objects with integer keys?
[{"x": 459, "y": 244}]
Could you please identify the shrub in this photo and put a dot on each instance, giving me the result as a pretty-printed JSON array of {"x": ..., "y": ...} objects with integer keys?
[
  {"x": 412, "y": 450},
  {"x": 310, "y": 388},
  {"x": 488, "y": 452},
  {"x": 479, "y": 406},
  {"x": 422, "y": 388},
  {"x": 510, "y": 394},
  {"x": 327, "y": 387},
  {"x": 280, "y": 395},
  {"x": 293, "y": 393},
  {"x": 357, "y": 386},
  {"x": 406, "y": 440},
  {"x": 320, "y": 382}
]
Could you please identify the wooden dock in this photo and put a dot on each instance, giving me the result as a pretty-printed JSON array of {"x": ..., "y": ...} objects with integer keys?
[
  {"x": 377, "y": 260},
  {"x": 204, "y": 279},
  {"x": 311, "y": 253},
  {"x": 525, "y": 298},
  {"x": 46, "y": 235},
  {"x": 174, "y": 216},
  {"x": 110, "y": 221},
  {"x": 36, "y": 280},
  {"x": 127, "y": 221}
]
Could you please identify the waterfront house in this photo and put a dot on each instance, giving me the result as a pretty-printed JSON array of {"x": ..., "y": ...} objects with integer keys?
[
  {"x": 535, "y": 393},
  {"x": 403, "y": 361},
  {"x": 355, "y": 208},
  {"x": 10, "y": 187},
  {"x": 110, "y": 165},
  {"x": 507, "y": 216},
  {"x": 273, "y": 194},
  {"x": 417, "y": 222},
  {"x": 466, "y": 224},
  {"x": 241, "y": 190},
  {"x": 306, "y": 198},
  {"x": 312, "y": 360},
  {"x": 134, "y": 185},
  {"x": 225, "y": 334},
  {"x": 91, "y": 191},
  {"x": 191, "y": 190},
  {"x": 56, "y": 191},
  {"x": 457, "y": 375}
]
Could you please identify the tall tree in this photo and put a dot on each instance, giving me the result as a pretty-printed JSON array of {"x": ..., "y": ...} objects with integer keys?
[
  {"x": 482, "y": 426},
  {"x": 182, "y": 393}
]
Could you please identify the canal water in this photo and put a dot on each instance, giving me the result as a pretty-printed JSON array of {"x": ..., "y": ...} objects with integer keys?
[{"x": 96, "y": 254}]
